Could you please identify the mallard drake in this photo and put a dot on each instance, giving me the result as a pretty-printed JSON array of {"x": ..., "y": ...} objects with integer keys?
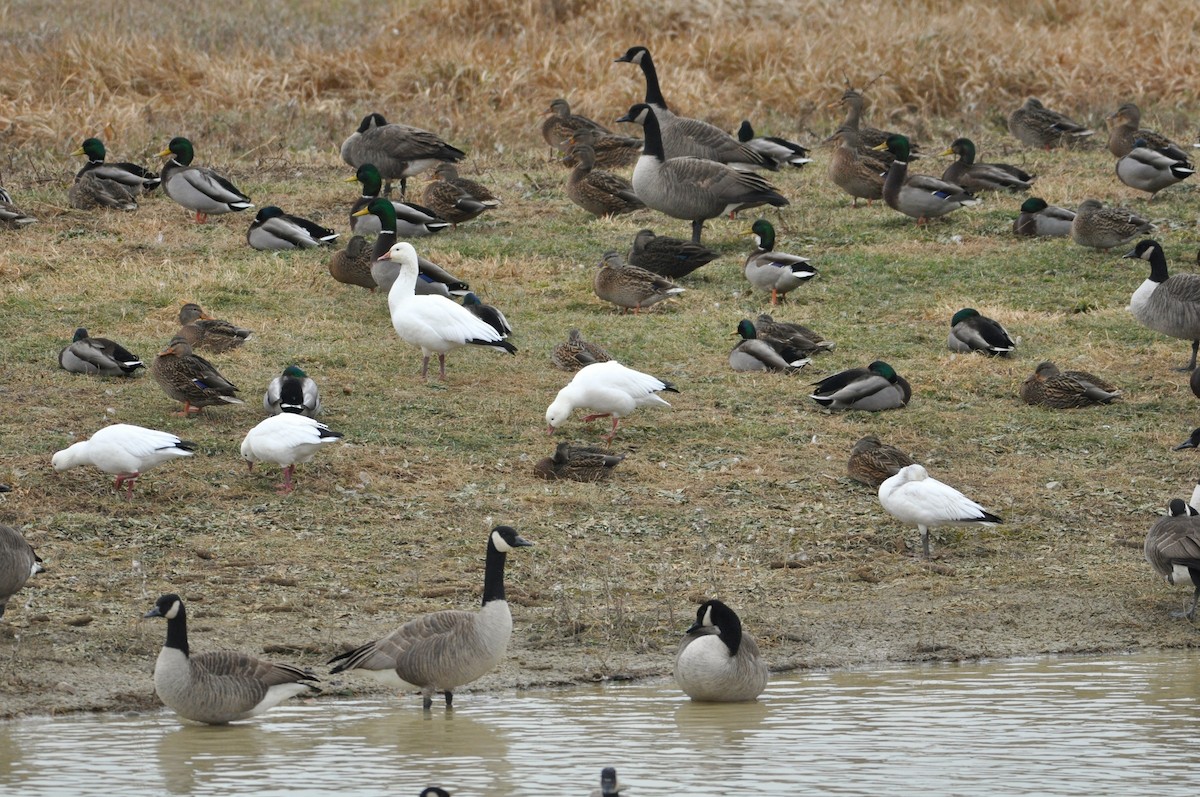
[
  {"x": 12, "y": 215},
  {"x": 576, "y": 352},
  {"x": 609, "y": 389},
  {"x": 612, "y": 151},
  {"x": 432, "y": 279},
  {"x": 1035, "y": 125},
  {"x": 1051, "y": 387},
  {"x": 777, "y": 272},
  {"x": 780, "y": 150},
  {"x": 918, "y": 195},
  {"x": 577, "y": 463},
  {"x": 718, "y": 661},
  {"x": 561, "y": 124},
  {"x": 125, "y": 451},
  {"x": 859, "y": 175},
  {"x": 221, "y": 686},
  {"x": 205, "y": 332},
  {"x": 756, "y": 354},
  {"x": 630, "y": 287},
  {"x": 1167, "y": 304},
  {"x": 18, "y": 563},
  {"x": 796, "y": 336},
  {"x": 197, "y": 188},
  {"x": 412, "y": 220},
  {"x": 670, "y": 257},
  {"x": 1038, "y": 219},
  {"x": 128, "y": 174},
  {"x": 188, "y": 377},
  {"x": 97, "y": 356},
  {"x": 1172, "y": 548},
  {"x": 434, "y": 323},
  {"x": 492, "y": 316},
  {"x": 286, "y": 440},
  {"x": 273, "y": 230},
  {"x": 352, "y": 265},
  {"x": 1151, "y": 171},
  {"x": 1103, "y": 228},
  {"x": 682, "y": 136},
  {"x": 876, "y": 387},
  {"x": 90, "y": 190},
  {"x": 1125, "y": 130},
  {"x": 970, "y": 331},
  {"x": 601, "y": 193},
  {"x": 978, "y": 176},
  {"x": 872, "y": 462},
  {"x": 913, "y": 496},
  {"x": 440, "y": 651},
  {"x": 292, "y": 391},
  {"x": 871, "y": 138},
  {"x": 692, "y": 188},
  {"x": 398, "y": 151}
]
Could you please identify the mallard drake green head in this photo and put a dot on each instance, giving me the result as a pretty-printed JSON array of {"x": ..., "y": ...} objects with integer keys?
[
  {"x": 201, "y": 190},
  {"x": 769, "y": 270},
  {"x": 754, "y": 353},
  {"x": 970, "y": 331},
  {"x": 1037, "y": 218},
  {"x": 180, "y": 150},
  {"x": 93, "y": 148},
  {"x": 1151, "y": 170},
  {"x": 975, "y": 176},
  {"x": 918, "y": 195},
  {"x": 897, "y": 145},
  {"x": 876, "y": 387}
]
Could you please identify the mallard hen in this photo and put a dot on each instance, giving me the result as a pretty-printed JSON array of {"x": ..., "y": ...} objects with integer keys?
[
  {"x": 188, "y": 377},
  {"x": 1035, "y": 125},
  {"x": 1050, "y": 387},
  {"x": 630, "y": 287},
  {"x": 671, "y": 257}
]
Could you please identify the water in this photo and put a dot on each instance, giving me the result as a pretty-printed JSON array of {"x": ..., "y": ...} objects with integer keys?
[{"x": 1040, "y": 726}]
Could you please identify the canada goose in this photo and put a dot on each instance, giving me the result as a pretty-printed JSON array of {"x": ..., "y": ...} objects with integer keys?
[
  {"x": 128, "y": 174},
  {"x": 286, "y": 440},
  {"x": 769, "y": 270},
  {"x": 199, "y": 189},
  {"x": 1039, "y": 219},
  {"x": 1193, "y": 441},
  {"x": 609, "y": 785},
  {"x": 608, "y": 389},
  {"x": 576, "y": 352},
  {"x": 1124, "y": 131},
  {"x": 220, "y": 686},
  {"x": 412, "y": 220},
  {"x": 717, "y": 661},
  {"x": 876, "y": 387},
  {"x": 18, "y": 563},
  {"x": 919, "y": 195},
  {"x": 434, "y": 791},
  {"x": 188, "y": 377},
  {"x": 671, "y": 257},
  {"x": 435, "y": 323},
  {"x": 125, "y": 451},
  {"x": 492, "y": 316},
  {"x": 871, "y": 461},
  {"x": 979, "y": 176},
  {"x": 630, "y": 287},
  {"x": 10, "y": 214},
  {"x": 440, "y": 651},
  {"x": 780, "y": 150},
  {"x": 1103, "y": 228},
  {"x": 1167, "y": 304},
  {"x": 274, "y": 231},
  {"x": 1051, "y": 387},
  {"x": 205, "y": 332},
  {"x": 797, "y": 336},
  {"x": 856, "y": 172},
  {"x": 397, "y": 150},
  {"x": 577, "y": 463},
  {"x": 970, "y": 331},
  {"x": 1151, "y": 171},
  {"x": 1035, "y": 125},
  {"x": 88, "y": 355},
  {"x": 292, "y": 391},
  {"x": 912, "y": 496},
  {"x": 755, "y": 354},
  {"x": 682, "y": 136},
  {"x": 692, "y": 188},
  {"x": 601, "y": 193},
  {"x": 1173, "y": 549},
  {"x": 432, "y": 278}
]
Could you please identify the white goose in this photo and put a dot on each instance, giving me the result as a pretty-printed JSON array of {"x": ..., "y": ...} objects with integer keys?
[
  {"x": 435, "y": 323},
  {"x": 609, "y": 389},
  {"x": 914, "y": 497},
  {"x": 286, "y": 439},
  {"x": 124, "y": 450}
]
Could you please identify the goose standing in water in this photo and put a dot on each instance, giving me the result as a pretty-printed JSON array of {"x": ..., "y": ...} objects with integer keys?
[{"x": 717, "y": 660}]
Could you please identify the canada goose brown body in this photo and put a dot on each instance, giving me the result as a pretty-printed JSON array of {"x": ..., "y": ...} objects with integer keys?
[
  {"x": 1167, "y": 304},
  {"x": 441, "y": 651},
  {"x": 221, "y": 686},
  {"x": 717, "y": 660},
  {"x": 18, "y": 562},
  {"x": 397, "y": 150},
  {"x": 1173, "y": 549}
]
